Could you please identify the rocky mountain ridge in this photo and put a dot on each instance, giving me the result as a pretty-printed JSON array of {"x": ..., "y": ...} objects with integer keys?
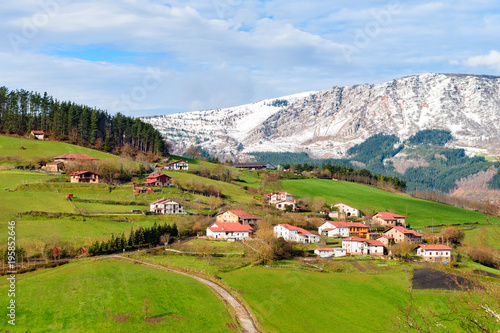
[{"x": 326, "y": 123}]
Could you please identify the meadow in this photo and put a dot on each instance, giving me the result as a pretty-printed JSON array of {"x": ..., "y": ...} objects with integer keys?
[
  {"x": 420, "y": 213},
  {"x": 10, "y": 146},
  {"x": 112, "y": 296}
]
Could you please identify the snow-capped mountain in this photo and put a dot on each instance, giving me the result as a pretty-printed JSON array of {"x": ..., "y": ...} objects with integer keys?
[{"x": 326, "y": 123}]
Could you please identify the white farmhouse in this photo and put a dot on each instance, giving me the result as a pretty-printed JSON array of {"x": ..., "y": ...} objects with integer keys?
[
  {"x": 348, "y": 210},
  {"x": 328, "y": 252},
  {"x": 295, "y": 234},
  {"x": 334, "y": 229},
  {"x": 358, "y": 245},
  {"x": 165, "y": 206},
  {"x": 282, "y": 205},
  {"x": 229, "y": 231},
  {"x": 434, "y": 253},
  {"x": 278, "y": 197},
  {"x": 177, "y": 165}
]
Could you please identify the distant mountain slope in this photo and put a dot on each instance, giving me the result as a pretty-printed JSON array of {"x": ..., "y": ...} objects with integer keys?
[{"x": 326, "y": 123}]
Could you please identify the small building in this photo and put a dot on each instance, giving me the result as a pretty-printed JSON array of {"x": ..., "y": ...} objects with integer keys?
[
  {"x": 55, "y": 166},
  {"x": 229, "y": 231},
  {"x": 237, "y": 216},
  {"x": 329, "y": 252},
  {"x": 282, "y": 205},
  {"x": 157, "y": 179},
  {"x": 389, "y": 219},
  {"x": 39, "y": 135},
  {"x": 177, "y": 165},
  {"x": 434, "y": 253},
  {"x": 165, "y": 206},
  {"x": 84, "y": 177},
  {"x": 343, "y": 229},
  {"x": 295, "y": 234},
  {"x": 273, "y": 198},
  {"x": 362, "y": 246},
  {"x": 71, "y": 157},
  {"x": 401, "y": 234},
  {"x": 347, "y": 210},
  {"x": 386, "y": 240},
  {"x": 253, "y": 166},
  {"x": 143, "y": 190}
]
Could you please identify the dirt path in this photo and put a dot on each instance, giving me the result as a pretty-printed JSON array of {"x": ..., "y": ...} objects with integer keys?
[{"x": 244, "y": 317}]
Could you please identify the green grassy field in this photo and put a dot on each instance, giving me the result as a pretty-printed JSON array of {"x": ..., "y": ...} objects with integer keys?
[
  {"x": 9, "y": 146},
  {"x": 11, "y": 178},
  {"x": 81, "y": 233},
  {"x": 489, "y": 236},
  {"x": 420, "y": 213},
  {"x": 297, "y": 301},
  {"x": 110, "y": 296}
]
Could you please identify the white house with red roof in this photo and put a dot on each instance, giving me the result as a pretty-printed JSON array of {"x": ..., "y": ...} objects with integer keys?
[
  {"x": 401, "y": 234},
  {"x": 389, "y": 219},
  {"x": 166, "y": 206},
  {"x": 229, "y": 231},
  {"x": 39, "y": 135},
  {"x": 328, "y": 252},
  {"x": 237, "y": 216},
  {"x": 177, "y": 165},
  {"x": 434, "y": 253},
  {"x": 295, "y": 234},
  {"x": 357, "y": 245},
  {"x": 342, "y": 229},
  {"x": 84, "y": 177},
  {"x": 347, "y": 210},
  {"x": 282, "y": 205}
]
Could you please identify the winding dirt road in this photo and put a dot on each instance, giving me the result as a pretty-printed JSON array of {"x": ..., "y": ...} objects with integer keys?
[{"x": 244, "y": 317}]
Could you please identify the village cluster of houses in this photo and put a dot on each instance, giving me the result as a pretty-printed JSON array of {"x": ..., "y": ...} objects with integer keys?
[
  {"x": 356, "y": 240},
  {"x": 238, "y": 225}
]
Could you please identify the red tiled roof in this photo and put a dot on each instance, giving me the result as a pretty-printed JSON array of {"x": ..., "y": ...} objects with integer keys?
[
  {"x": 300, "y": 230},
  {"x": 76, "y": 173},
  {"x": 156, "y": 175},
  {"x": 244, "y": 215},
  {"x": 38, "y": 132},
  {"x": 163, "y": 201},
  {"x": 226, "y": 226},
  {"x": 374, "y": 242},
  {"x": 341, "y": 203},
  {"x": 405, "y": 231},
  {"x": 343, "y": 224},
  {"x": 354, "y": 239},
  {"x": 434, "y": 247},
  {"x": 385, "y": 236},
  {"x": 388, "y": 216},
  {"x": 74, "y": 156}
]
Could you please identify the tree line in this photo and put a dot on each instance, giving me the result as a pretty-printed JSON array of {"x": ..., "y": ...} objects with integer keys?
[
  {"x": 154, "y": 235},
  {"x": 22, "y": 111}
]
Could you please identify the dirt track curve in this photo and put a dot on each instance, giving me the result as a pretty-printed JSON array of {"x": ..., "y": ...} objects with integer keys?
[{"x": 244, "y": 317}]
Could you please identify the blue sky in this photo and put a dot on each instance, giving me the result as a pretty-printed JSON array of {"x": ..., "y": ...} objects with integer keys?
[{"x": 153, "y": 57}]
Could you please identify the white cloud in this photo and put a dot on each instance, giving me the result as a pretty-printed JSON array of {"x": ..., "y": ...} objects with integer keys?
[{"x": 491, "y": 60}]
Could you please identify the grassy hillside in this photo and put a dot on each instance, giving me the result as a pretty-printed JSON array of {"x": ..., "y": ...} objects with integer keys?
[
  {"x": 110, "y": 296},
  {"x": 420, "y": 213},
  {"x": 10, "y": 146},
  {"x": 296, "y": 301}
]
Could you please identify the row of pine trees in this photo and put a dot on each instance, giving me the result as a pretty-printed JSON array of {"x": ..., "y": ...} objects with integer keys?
[
  {"x": 22, "y": 111},
  {"x": 138, "y": 238}
]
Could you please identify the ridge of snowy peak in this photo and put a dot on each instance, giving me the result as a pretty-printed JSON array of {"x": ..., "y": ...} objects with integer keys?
[{"x": 326, "y": 123}]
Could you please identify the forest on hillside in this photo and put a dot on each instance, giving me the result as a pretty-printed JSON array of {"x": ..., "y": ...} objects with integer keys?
[
  {"x": 444, "y": 166},
  {"x": 22, "y": 111}
]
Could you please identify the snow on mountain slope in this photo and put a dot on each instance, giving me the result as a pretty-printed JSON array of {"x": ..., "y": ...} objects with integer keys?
[{"x": 326, "y": 123}]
